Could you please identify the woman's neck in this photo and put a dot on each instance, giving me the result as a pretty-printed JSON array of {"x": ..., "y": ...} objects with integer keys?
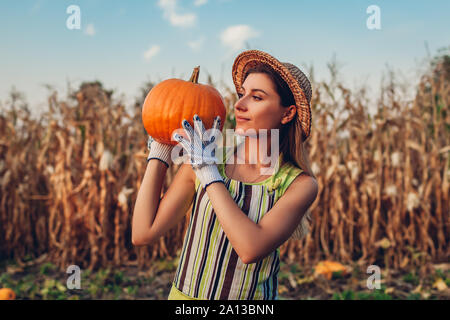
[{"x": 256, "y": 154}]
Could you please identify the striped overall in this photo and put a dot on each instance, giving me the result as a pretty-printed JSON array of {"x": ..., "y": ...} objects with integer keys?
[{"x": 209, "y": 268}]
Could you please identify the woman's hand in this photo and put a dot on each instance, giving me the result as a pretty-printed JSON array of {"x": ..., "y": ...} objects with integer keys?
[
  {"x": 201, "y": 149},
  {"x": 160, "y": 151}
]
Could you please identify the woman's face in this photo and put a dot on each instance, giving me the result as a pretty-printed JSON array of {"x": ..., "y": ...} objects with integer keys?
[{"x": 258, "y": 102}]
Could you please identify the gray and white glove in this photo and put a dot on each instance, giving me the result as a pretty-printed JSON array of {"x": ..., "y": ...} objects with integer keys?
[
  {"x": 201, "y": 149},
  {"x": 160, "y": 151}
]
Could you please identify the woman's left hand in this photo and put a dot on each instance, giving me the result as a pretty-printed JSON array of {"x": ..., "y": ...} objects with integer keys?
[{"x": 201, "y": 149}]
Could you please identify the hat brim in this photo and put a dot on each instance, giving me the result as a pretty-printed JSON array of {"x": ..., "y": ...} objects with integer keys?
[{"x": 250, "y": 58}]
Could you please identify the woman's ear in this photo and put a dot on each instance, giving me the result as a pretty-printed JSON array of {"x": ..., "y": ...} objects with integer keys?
[{"x": 289, "y": 114}]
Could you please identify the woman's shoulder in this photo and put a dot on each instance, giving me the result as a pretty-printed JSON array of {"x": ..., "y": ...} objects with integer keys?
[
  {"x": 287, "y": 174},
  {"x": 299, "y": 176}
]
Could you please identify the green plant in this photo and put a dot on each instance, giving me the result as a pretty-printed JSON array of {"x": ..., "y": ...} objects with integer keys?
[
  {"x": 411, "y": 278},
  {"x": 53, "y": 289},
  {"x": 93, "y": 290},
  {"x": 132, "y": 290},
  {"x": 46, "y": 267},
  {"x": 295, "y": 268},
  {"x": 118, "y": 277},
  {"x": 413, "y": 296},
  {"x": 5, "y": 280},
  {"x": 345, "y": 295},
  {"x": 376, "y": 295}
]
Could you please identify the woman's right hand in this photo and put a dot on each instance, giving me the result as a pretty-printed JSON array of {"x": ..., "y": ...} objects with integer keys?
[{"x": 160, "y": 151}]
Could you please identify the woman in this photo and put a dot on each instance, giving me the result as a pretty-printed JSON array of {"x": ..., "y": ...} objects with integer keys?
[{"x": 240, "y": 217}]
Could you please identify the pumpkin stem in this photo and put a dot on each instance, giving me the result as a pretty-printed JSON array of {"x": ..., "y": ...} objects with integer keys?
[{"x": 195, "y": 74}]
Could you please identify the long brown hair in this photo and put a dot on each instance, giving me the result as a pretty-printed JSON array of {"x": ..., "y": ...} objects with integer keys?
[
  {"x": 292, "y": 146},
  {"x": 291, "y": 134}
]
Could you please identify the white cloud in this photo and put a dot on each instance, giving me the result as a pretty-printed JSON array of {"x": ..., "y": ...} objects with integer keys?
[
  {"x": 200, "y": 2},
  {"x": 197, "y": 44},
  {"x": 182, "y": 20},
  {"x": 151, "y": 52},
  {"x": 90, "y": 30},
  {"x": 170, "y": 7},
  {"x": 236, "y": 36}
]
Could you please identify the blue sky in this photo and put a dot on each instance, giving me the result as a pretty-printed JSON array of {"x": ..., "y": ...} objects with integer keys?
[{"x": 125, "y": 43}]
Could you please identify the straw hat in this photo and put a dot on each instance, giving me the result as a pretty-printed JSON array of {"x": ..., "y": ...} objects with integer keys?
[{"x": 293, "y": 76}]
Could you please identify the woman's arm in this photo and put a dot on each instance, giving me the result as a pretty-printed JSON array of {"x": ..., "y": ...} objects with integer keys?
[
  {"x": 154, "y": 216},
  {"x": 253, "y": 241}
]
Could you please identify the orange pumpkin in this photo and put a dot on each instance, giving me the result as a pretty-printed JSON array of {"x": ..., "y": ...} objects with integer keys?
[
  {"x": 173, "y": 100},
  {"x": 7, "y": 294}
]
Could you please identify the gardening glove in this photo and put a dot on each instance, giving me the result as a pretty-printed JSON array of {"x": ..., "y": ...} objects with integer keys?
[
  {"x": 160, "y": 151},
  {"x": 201, "y": 149}
]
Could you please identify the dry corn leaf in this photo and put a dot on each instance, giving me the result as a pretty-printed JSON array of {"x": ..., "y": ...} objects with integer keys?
[
  {"x": 292, "y": 281},
  {"x": 389, "y": 290},
  {"x": 418, "y": 289},
  {"x": 440, "y": 284},
  {"x": 305, "y": 280},
  {"x": 425, "y": 295},
  {"x": 283, "y": 289},
  {"x": 384, "y": 243},
  {"x": 442, "y": 266},
  {"x": 404, "y": 262},
  {"x": 14, "y": 269}
]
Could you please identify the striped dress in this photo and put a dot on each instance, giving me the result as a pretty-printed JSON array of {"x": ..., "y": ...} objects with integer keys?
[{"x": 209, "y": 268}]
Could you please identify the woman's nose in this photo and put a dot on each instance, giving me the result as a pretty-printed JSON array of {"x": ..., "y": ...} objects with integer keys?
[{"x": 240, "y": 105}]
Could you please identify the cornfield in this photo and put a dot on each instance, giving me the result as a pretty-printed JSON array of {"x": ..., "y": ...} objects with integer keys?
[{"x": 69, "y": 180}]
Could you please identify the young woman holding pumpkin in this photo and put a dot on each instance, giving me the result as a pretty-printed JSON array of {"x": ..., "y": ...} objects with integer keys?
[{"x": 240, "y": 217}]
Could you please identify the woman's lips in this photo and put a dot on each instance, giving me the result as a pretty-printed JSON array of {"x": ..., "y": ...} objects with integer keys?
[{"x": 241, "y": 119}]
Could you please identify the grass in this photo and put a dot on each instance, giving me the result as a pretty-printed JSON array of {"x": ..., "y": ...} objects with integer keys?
[
  {"x": 46, "y": 282},
  {"x": 397, "y": 285}
]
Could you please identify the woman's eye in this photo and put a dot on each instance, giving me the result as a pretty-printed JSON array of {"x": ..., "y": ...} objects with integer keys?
[{"x": 254, "y": 97}]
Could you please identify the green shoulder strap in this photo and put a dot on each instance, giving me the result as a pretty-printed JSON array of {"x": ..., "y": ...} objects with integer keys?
[{"x": 287, "y": 173}]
